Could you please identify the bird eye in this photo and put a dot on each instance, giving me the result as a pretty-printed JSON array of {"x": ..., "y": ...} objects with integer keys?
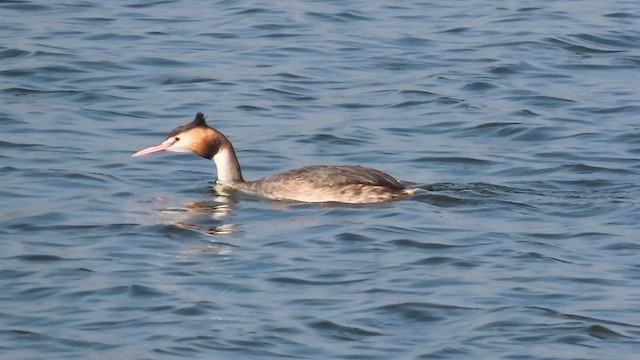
[{"x": 176, "y": 138}]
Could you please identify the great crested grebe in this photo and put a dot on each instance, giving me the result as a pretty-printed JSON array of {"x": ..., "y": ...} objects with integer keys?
[{"x": 313, "y": 184}]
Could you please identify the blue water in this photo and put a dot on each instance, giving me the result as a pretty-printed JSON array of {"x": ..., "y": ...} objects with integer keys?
[{"x": 520, "y": 119}]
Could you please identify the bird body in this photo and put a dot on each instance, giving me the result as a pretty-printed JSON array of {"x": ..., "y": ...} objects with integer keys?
[{"x": 313, "y": 184}]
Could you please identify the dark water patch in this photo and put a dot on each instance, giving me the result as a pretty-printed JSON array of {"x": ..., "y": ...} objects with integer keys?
[
  {"x": 352, "y": 15},
  {"x": 451, "y": 160},
  {"x": 187, "y": 81},
  {"x": 420, "y": 312},
  {"x": 533, "y": 256},
  {"x": 631, "y": 109},
  {"x": 568, "y": 235},
  {"x": 622, "y": 15},
  {"x": 19, "y": 332},
  {"x": 14, "y": 145},
  {"x": 98, "y": 293},
  {"x": 24, "y": 91},
  {"x": 591, "y": 169},
  {"x": 335, "y": 303},
  {"x": 148, "y": 4},
  {"x": 529, "y": 9},
  {"x": 276, "y": 27},
  {"x": 482, "y": 189},
  {"x": 355, "y": 106},
  {"x": 78, "y": 179},
  {"x": 70, "y": 274},
  {"x": 412, "y": 41},
  {"x": 406, "y": 104},
  {"x": 539, "y": 133},
  {"x": 24, "y": 6},
  {"x": 11, "y": 274},
  {"x": 38, "y": 293},
  {"x": 576, "y": 48},
  {"x": 37, "y": 342},
  {"x": 593, "y": 67},
  {"x": 158, "y": 62},
  {"x": 93, "y": 20},
  {"x": 293, "y": 89},
  {"x": 622, "y": 41},
  {"x": 437, "y": 261},
  {"x": 219, "y": 286},
  {"x": 113, "y": 325},
  {"x": 432, "y": 129},
  {"x": 602, "y": 332},
  {"x": 628, "y": 137},
  {"x": 418, "y": 93},
  {"x": 249, "y": 349},
  {"x": 519, "y": 69},
  {"x": 219, "y": 35},
  {"x": 447, "y": 352},
  {"x": 593, "y": 184},
  {"x": 289, "y": 95},
  {"x": 298, "y": 281},
  {"x": 114, "y": 37},
  {"x": 448, "y": 100},
  {"x": 456, "y": 30},
  {"x": 354, "y": 237},
  {"x": 480, "y": 86},
  {"x": 342, "y": 332},
  {"x": 413, "y": 244},
  {"x": 442, "y": 200},
  {"x": 256, "y": 11},
  {"x": 516, "y": 131},
  {"x": 558, "y": 327},
  {"x": 285, "y": 36},
  {"x": 54, "y": 52},
  {"x": 331, "y": 139},
  {"x": 10, "y": 53},
  {"x": 25, "y": 223},
  {"x": 40, "y": 258},
  {"x": 102, "y": 65},
  {"x": 401, "y": 65},
  {"x": 503, "y": 70},
  {"x": 291, "y": 76},
  {"x": 13, "y": 194},
  {"x": 542, "y": 101},
  {"x": 98, "y": 97},
  {"x": 528, "y": 16},
  {"x": 251, "y": 108},
  {"x": 500, "y": 129},
  {"x": 629, "y": 247},
  {"x": 339, "y": 17},
  {"x": 478, "y": 197},
  {"x": 59, "y": 69},
  {"x": 144, "y": 291}
]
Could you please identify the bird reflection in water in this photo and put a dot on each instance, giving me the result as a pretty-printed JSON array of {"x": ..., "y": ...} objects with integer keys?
[{"x": 197, "y": 215}]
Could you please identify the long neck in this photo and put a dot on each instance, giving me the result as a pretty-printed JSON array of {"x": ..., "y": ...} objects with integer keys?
[{"x": 227, "y": 164}]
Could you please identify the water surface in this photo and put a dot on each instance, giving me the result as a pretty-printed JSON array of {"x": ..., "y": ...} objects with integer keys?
[{"x": 520, "y": 120}]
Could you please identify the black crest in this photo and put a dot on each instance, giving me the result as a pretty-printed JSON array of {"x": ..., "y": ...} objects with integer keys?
[{"x": 199, "y": 121}]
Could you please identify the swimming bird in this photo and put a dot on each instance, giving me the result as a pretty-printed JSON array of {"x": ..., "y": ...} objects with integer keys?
[{"x": 311, "y": 184}]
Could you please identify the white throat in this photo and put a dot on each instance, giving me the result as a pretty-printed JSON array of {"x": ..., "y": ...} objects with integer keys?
[{"x": 227, "y": 166}]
